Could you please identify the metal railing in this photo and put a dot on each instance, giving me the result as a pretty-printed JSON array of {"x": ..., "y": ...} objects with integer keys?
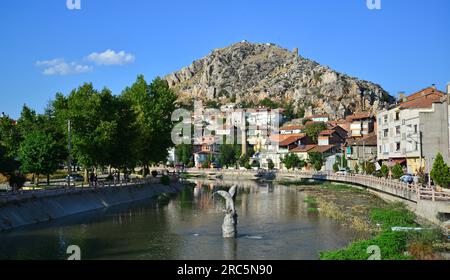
[
  {"x": 421, "y": 193},
  {"x": 65, "y": 189}
]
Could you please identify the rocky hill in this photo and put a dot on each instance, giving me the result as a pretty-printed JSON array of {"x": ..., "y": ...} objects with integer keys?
[{"x": 247, "y": 73}]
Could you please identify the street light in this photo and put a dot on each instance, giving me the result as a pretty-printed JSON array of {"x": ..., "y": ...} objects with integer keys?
[{"x": 69, "y": 147}]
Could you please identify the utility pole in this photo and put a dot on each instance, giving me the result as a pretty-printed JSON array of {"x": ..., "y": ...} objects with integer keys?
[
  {"x": 69, "y": 147},
  {"x": 364, "y": 157}
]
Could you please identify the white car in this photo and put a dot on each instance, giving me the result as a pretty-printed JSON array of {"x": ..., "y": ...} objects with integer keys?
[{"x": 342, "y": 172}]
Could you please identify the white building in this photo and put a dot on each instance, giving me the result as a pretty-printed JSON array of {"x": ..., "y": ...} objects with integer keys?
[{"x": 416, "y": 130}]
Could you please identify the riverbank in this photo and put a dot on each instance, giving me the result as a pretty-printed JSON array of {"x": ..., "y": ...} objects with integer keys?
[
  {"x": 373, "y": 217},
  {"x": 41, "y": 209}
]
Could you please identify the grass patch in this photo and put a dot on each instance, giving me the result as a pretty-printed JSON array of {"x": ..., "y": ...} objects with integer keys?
[
  {"x": 393, "y": 245},
  {"x": 394, "y": 215}
]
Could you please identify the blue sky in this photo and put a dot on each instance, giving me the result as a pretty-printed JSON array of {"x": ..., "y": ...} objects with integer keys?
[{"x": 46, "y": 48}]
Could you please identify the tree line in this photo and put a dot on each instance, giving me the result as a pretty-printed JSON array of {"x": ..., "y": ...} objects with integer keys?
[{"x": 118, "y": 131}]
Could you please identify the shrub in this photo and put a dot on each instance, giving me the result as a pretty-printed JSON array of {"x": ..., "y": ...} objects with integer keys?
[
  {"x": 384, "y": 171},
  {"x": 206, "y": 164},
  {"x": 318, "y": 166},
  {"x": 392, "y": 246},
  {"x": 356, "y": 168},
  {"x": 441, "y": 172},
  {"x": 370, "y": 168},
  {"x": 270, "y": 164},
  {"x": 247, "y": 165},
  {"x": 17, "y": 181},
  {"x": 395, "y": 215},
  {"x": 190, "y": 165},
  {"x": 397, "y": 171},
  {"x": 336, "y": 167}
]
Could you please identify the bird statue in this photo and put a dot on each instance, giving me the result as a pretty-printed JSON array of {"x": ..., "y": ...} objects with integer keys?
[{"x": 229, "y": 226}]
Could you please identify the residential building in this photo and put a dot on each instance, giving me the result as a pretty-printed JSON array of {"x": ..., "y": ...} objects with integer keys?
[
  {"x": 292, "y": 129},
  {"x": 416, "y": 130},
  {"x": 319, "y": 118},
  {"x": 361, "y": 124},
  {"x": 361, "y": 149}
]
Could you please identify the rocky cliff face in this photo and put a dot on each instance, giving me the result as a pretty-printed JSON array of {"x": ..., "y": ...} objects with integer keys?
[{"x": 248, "y": 73}]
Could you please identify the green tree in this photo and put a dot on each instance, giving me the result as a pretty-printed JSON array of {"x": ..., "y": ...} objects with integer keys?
[
  {"x": 306, "y": 120},
  {"x": 227, "y": 155},
  {"x": 184, "y": 153},
  {"x": 369, "y": 168},
  {"x": 397, "y": 171},
  {"x": 342, "y": 161},
  {"x": 301, "y": 112},
  {"x": 36, "y": 154},
  {"x": 270, "y": 164},
  {"x": 384, "y": 171},
  {"x": 153, "y": 105},
  {"x": 9, "y": 145},
  {"x": 291, "y": 161},
  {"x": 316, "y": 160},
  {"x": 357, "y": 168},
  {"x": 103, "y": 126},
  {"x": 441, "y": 172},
  {"x": 269, "y": 103},
  {"x": 243, "y": 160},
  {"x": 336, "y": 167},
  {"x": 314, "y": 129}
]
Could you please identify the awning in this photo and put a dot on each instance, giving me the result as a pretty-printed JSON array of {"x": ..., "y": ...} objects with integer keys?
[{"x": 397, "y": 161}]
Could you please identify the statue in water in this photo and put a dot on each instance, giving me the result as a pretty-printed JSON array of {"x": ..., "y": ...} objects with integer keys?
[{"x": 229, "y": 226}]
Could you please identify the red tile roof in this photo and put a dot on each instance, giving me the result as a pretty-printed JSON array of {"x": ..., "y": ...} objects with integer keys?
[
  {"x": 369, "y": 140},
  {"x": 322, "y": 149},
  {"x": 423, "y": 99},
  {"x": 327, "y": 132},
  {"x": 359, "y": 116},
  {"x": 291, "y": 139},
  {"x": 303, "y": 149}
]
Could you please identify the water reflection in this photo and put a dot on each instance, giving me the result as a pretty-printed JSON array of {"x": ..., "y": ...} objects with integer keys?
[{"x": 273, "y": 224}]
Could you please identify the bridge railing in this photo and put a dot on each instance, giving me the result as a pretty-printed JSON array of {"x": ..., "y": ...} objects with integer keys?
[{"x": 371, "y": 181}]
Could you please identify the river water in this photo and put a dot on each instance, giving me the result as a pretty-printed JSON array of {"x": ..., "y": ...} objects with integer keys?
[{"x": 274, "y": 223}]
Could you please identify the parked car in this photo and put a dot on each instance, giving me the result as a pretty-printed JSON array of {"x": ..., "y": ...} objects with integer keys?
[
  {"x": 75, "y": 178},
  {"x": 343, "y": 172},
  {"x": 407, "y": 179}
]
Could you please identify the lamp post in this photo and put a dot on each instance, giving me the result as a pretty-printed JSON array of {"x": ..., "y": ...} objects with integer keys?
[{"x": 69, "y": 147}]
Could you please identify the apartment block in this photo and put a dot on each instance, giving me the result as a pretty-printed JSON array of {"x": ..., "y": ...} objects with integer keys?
[{"x": 415, "y": 130}]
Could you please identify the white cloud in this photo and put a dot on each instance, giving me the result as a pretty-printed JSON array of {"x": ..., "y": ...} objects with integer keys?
[
  {"x": 110, "y": 57},
  {"x": 62, "y": 68}
]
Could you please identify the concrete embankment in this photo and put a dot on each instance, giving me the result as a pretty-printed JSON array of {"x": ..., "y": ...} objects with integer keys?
[{"x": 45, "y": 208}]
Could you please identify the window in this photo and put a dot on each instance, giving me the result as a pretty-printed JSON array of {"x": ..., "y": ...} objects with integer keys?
[
  {"x": 397, "y": 130},
  {"x": 397, "y": 147},
  {"x": 385, "y": 118},
  {"x": 416, "y": 128},
  {"x": 397, "y": 116},
  {"x": 386, "y": 133}
]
